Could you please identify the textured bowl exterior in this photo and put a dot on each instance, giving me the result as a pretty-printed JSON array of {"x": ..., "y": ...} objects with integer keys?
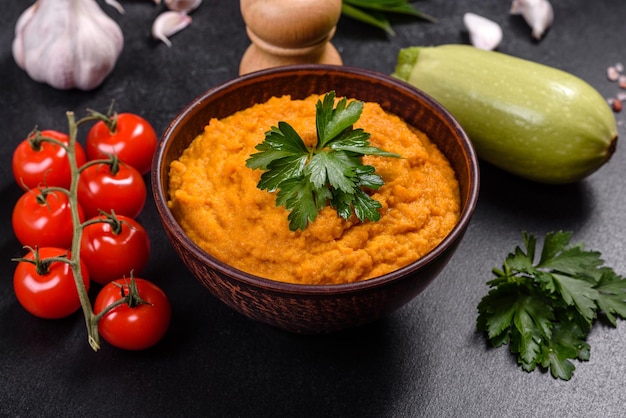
[{"x": 310, "y": 308}]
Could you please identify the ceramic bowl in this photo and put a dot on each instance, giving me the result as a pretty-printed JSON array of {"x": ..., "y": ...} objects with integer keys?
[{"x": 316, "y": 308}]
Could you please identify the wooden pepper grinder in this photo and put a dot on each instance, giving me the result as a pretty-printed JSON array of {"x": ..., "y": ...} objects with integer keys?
[{"x": 285, "y": 32}]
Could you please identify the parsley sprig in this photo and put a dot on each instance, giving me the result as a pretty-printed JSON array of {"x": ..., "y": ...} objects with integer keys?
[
  {"x": 307, "y": 179},
  {"x": 545, "y": 310},
  {"x": 375, "y": 12}
]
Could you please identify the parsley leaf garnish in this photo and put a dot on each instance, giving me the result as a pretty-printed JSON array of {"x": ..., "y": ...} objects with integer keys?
[
  {"x": 545, "y": 308},
  {"x": 307, "y": 179}
]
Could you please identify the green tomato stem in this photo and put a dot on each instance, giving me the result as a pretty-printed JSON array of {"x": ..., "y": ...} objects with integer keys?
[
  {"x": 132, "y": 298},
  {"x": 110, "y": 119},
  {"x": 36, "y": 138},
  {"x": 119, "y": 302},
  {"x": 42, "y": 266},
  {"x": 91, "y": 320},
  {"x": 112, "y": 161}
]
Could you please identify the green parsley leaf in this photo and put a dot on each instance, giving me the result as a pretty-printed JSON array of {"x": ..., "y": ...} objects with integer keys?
[
  {"x": 611, "y": 289},
  {"x": 307, "y": 179},
  {"x": 545, "y": 308},
  {"x": 331, "y": 121},
  {"x": 374, "y": 12},
  {"x": 578, "y": 293},
  {"x": 298, "y": 196},
  {"x": 567, "y": 342}
]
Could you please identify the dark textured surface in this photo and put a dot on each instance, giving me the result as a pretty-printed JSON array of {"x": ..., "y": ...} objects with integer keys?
[{"x": 424, "y": 360}]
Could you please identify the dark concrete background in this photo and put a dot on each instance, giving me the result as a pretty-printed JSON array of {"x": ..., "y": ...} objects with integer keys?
[{"x": 424, "y": 360}]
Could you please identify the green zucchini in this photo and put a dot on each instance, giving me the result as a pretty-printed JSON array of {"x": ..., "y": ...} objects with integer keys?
[{"x": 529, "y": 119}]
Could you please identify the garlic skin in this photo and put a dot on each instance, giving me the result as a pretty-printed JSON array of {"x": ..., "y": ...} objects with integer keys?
[
  {"x": 182, "y": 5},
  {"x": 537, "y": 13},
  {"x": 484, "y": 33},
  {"x": 67, "y": 43},
  {"x": 168, "y": 23},
  {"x": 18, "y": 50}
]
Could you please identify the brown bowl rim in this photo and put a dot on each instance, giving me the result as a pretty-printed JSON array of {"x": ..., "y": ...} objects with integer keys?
[{"x": 314, "y": 289}]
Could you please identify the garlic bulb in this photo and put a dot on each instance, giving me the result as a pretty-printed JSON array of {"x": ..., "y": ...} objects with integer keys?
[
  {"x": 67, "y": 43},
  {"x": 537, "y": 13},
  {"x": 484, "y": 33}
]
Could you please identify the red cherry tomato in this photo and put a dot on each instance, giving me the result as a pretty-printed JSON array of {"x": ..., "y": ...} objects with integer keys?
[
  {"x": 50, "y": 295},
  {"x": 44, "y": 219},
  {"x": 112, "y": 249},
  {"x": 37, "y": 162},
  {"x": 132, "y": 139},
  {"x": 137, "y": 327},
  {"x": 100, "y": 189}
]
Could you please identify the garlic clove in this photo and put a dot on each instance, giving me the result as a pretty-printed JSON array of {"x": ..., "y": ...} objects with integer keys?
[
  {"x": 67, "y": 43},
  {"x": 537, "y": 13},
  {"x": 116, "y": 5},
  {"x": 484, "y": 33},
  {"x": 168, "y": 23},
  {"x": 182, "y": 5}
]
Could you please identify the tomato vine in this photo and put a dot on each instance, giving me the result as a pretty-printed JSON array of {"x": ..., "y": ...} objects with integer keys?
[{"x": 72, "y": 257}]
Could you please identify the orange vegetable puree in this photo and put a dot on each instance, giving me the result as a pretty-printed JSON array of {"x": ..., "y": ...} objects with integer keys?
[{"x": 215, "y": 198}]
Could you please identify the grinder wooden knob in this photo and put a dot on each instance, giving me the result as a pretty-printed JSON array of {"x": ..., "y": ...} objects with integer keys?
[{"x": 285, "y": 32}]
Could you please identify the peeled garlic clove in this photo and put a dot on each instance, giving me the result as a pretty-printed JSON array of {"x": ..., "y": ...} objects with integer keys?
[
  {"x": 168, "y": 23},
  {"x": 484, "y": 33},
  {"x": 115, "y": 4},
  {"x": 182, "y": 5},
  {"x": 537, "y": 13},
  {"x": 67, "y": 43}
]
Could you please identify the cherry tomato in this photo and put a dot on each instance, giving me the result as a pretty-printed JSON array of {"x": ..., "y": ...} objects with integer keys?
[
  {"x": 44, "y": 219},
  {"x": 112, "y": 249},
  {"x": 132, "y": 139},
  {"x": 100, "y": 189},
  {"x": 50, "y": 295},
  {"x": 137, "y": 327},
  {"x": 37, "y": 162}
]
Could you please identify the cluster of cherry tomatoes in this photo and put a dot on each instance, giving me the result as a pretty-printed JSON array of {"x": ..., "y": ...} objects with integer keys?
[{"x": 107, "y": 188}]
